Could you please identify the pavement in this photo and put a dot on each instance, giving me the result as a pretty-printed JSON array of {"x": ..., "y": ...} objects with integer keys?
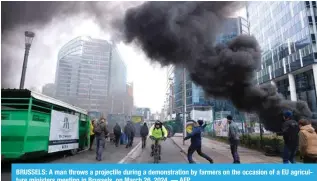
[
  {"x": 173, "y": 151},
  {"x": 111, "y": 154},
  {"x": 170, "y": 154},
  {"x": 220, "y": 152}
]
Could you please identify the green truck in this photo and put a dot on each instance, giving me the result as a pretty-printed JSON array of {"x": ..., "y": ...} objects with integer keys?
[{"x": 33, "y": 125}]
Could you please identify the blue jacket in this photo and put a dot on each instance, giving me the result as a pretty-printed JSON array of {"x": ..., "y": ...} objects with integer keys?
[{"x": 195, "y": 135}]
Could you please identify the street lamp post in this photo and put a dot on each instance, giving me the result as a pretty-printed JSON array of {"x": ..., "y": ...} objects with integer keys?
[
  {"x": 28, "y": 41},
  {"x": 184, "y": 97}
]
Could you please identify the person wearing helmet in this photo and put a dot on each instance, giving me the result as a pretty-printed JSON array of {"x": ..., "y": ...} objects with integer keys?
[{"x": 157, "y": 131}]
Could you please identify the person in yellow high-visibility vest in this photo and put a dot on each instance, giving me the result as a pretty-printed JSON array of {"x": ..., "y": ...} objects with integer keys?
[
  {"x": 92, "y": 134},
  {"x": 157, "y": 132}
]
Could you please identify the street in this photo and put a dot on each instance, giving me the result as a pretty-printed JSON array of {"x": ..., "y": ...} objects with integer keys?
[
  {"x": 170, "y": 154},
  {"x": 220, "y": 152},
  {"x": 173, "y": 151},
  {"x": 111, "y": 154}
]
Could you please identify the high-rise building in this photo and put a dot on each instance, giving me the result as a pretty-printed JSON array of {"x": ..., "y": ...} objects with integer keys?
[
  {"x": 286, "y": 32},
  {"x": 49, "y": 90},
  {"x": 86, "y": 67},
  {"x": 118, "y": 72},
  {"x": 145, "y": 112},
  {"x": 169, "y": 103},
  {"x": 117, "y": 96},
  {"x": 129, "y": 101},
  {"x": 195, "y": 97}
]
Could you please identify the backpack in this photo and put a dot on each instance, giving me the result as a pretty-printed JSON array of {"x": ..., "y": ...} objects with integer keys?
[
  {"x": 117, "y": 130},
  {"x": 97, "y": 129}
]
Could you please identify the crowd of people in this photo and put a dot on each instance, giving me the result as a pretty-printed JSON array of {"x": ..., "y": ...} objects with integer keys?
[
  {"x": 99, "y": 134},
  {"x": 298, "y": 136}
]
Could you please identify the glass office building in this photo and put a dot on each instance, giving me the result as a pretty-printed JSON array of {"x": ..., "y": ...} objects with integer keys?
[
  {"x": 195, "y": 95},
  {"x": 286, "y": 32},
  {"x": 85, "y": 69}
]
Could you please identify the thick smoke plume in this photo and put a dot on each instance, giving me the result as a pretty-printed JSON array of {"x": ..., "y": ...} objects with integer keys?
[
  {"x": 183, "y": 33},
  {"x": 40, "y": 13}
]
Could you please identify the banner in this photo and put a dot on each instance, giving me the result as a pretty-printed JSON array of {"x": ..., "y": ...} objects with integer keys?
[
  {"x": 136, "y": 119},
  {"x": 163, "y": 172},
  {"x": 64, "y": 132},
  {"x": 221, "y": 127}
]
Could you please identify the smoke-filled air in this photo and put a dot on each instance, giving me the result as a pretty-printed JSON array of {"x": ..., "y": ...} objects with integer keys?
[
  {"x": 36, "y": 15},
  {"x": 183, "y": 33}
]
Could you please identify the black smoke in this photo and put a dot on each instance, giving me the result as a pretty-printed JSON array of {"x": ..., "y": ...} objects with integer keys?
[{"x": 183, "y": 33}]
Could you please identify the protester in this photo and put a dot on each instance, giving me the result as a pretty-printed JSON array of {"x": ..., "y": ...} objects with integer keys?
[
  {"x": 101, "y": 133},
  {"x": 307, "y": 142},
  {"x": 234, "y": 138},
  {"x": 290, "y": 132},
  {"x": 92, "y": 134},
  {"x": 129, "y": 130},
  {"x": 157, "y": 133},
  {"x": 117, "y": 133},
  {"x": 144, "y": 132},
  {"x": 195, "y": 145}
]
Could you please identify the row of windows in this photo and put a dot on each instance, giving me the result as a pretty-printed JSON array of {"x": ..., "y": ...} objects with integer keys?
[
  {"x": 79, "y": 93},
  {"x": 96, "y": 75},
  {"x": 289, "y": 59},
  {"x": 95, "y": 85},
  {"x": 97, "y": 71},
  {"x": 285, "y": 22},
  {"x": 305, "y": 89},
  {"x": 95, "y": 57}
]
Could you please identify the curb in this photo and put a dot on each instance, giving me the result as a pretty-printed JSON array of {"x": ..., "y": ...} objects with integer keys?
[
  {"x": 81, "y": 151},
  {"x": 129, "y": 155},
  {"x": 184, "y": 152}
]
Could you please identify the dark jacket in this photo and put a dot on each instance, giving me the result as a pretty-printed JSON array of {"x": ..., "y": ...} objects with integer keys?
[
  {"x": 129, "y": 129},
  {"x": 117, "y": 129},
  {"x": 290, "y": 131},
  {"x": 103, "y": 128},
  {"x": 195, "y": 136},
  {"x": 144, "y": 130}
]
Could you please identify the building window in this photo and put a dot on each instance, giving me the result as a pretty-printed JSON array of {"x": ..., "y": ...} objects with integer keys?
[
  {"x": 282, "y": 87},
  {"x": 310, "y": 20},
  {"x": 305, "y": 89}
]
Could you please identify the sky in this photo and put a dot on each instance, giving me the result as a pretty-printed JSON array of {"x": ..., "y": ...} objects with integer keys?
[{"x": 149, "y": 80}]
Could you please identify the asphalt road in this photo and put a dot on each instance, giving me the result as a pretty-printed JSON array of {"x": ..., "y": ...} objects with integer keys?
[
  {"x": 111, "y": 154},
  {"x": 170, "y": 154}
]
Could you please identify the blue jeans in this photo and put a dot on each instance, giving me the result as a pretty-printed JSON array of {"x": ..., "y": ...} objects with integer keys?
[
  {"x": 289, "y": 155},
  {"x": 101, "y": 142}
]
